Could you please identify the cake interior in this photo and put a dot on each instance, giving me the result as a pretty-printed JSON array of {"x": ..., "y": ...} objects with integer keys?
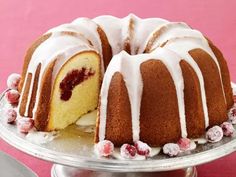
[{"x": 81, "y": 77}]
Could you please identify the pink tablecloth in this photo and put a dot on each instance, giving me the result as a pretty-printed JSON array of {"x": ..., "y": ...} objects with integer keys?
[{"x": 23, "y": 21}]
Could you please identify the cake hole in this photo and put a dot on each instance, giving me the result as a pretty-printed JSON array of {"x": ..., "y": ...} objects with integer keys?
[{"x": 72, "y": 79}]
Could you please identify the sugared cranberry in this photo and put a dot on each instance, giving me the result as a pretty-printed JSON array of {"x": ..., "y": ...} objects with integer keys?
[
  {"x": 171, "y": 149},
  {"x": 12, "y": 96},
  {"x": 232, "y": 115},
  {"x": 214, "y": 134},
  {"x": 128, "y": 151},
  {"x": 184, "y": 144},
  {"x": 227, "y": 128},
  {"x": 24, "y": 124},
  {"x": 142, "y": 148},
  {"x": 13, "y": 81},
  {"x": 10, "y": 115},
  {"x": 104, "y": 148}
]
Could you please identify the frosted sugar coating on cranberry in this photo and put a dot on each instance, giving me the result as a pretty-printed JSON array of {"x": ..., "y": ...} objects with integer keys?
[
  {"x": 142, "y": 148},
  {"x": 232, "y": 115},
  {"x": 171, "y": 149},
  {"x": 184, "y": 144},
  {"x": 128, "y": 151},
  {"x": 214, "y": 134},
  {"x": 104, "y": 148},
  {"x": 10, "y": 115},
  {"x": 12, "y": 96},
  {"x": 13, "y": 81},
  {"x": 228, "y": 129},
  {"x": 24, "y": 124}
]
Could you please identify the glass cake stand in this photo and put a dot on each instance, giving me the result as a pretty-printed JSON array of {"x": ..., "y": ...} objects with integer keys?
[{"x": 73, "y": 156}]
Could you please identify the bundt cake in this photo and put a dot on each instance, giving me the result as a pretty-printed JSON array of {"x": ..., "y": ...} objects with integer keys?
[{"x": 151, "y": 79}]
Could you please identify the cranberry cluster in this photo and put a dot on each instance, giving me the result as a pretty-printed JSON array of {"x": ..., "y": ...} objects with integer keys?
[{"x": 24, "y": 125}]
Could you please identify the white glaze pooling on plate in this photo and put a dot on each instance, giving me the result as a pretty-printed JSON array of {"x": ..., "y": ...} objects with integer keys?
[
  {"x": 41, "y": 137},
  {"x": 88, "y": 119},
  {"x": 200, "y": 140}
]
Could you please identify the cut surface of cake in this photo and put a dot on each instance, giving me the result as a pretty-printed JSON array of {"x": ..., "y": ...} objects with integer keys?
[{"x": 150, "y": 79}]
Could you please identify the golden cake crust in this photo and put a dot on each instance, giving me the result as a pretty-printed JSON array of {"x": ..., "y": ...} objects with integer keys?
[
  {"x": 214, "y": 93},
  {"x": 28, "y": 57},
  {"x": 41, "y": 114},
  {"x": 118, "y": 122},
  {"x": 224, "y": 74},
  {"x": 195, "y": 121},
  {"x": 159, "y": 115}
]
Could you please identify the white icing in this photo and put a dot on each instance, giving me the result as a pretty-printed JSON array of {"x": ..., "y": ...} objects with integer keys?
[
  {"x": 121, "y": 63},
  {"x": 181, "y": 46},
  {"x": 181, "y": 30},
  {"x": 116, "y": 30},
  {"x": 171, "y": 61},
  {"x": 85, "y": 27},
  {"x": 200, "y": 140},
  {"x": 47, "y": 52},
  {"x": 174, "y": 30},
  {"x": 133, "y": 79},
  {"x": 154, "y": 151},
  {"x": 192, "y": 146},
  {"x": 143, "y": 31}
]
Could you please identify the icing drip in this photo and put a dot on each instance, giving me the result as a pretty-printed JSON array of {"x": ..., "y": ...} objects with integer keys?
[
  {"x": 85, "y": 27},
  {"x": 48, "y": 51},
  {"x": 122, "y": 63},
  {"x": 181, "y": 47},
  {"x": 41, "y": 137},
  {"x": 116, "y": 30},
  {"x": 174, "y": 30},
  {"x": 142, "y": 30},
  {"x": 172, "y": 62},
  {"x": 181, "y": 30}
]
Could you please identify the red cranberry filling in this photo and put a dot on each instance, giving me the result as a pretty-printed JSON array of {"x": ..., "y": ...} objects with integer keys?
[{"x": 72, "y": 79}]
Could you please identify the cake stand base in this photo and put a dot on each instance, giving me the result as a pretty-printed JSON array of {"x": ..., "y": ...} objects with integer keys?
[{"x": 64, "y": 171}]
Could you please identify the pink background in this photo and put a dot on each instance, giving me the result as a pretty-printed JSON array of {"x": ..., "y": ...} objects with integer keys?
[{"x": 23, "y": 21}]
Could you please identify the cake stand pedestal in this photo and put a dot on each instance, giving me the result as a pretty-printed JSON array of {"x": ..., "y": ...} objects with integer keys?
[
  {"x": 64, "y": 171},
  {"x": 73, "y": 155}
]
